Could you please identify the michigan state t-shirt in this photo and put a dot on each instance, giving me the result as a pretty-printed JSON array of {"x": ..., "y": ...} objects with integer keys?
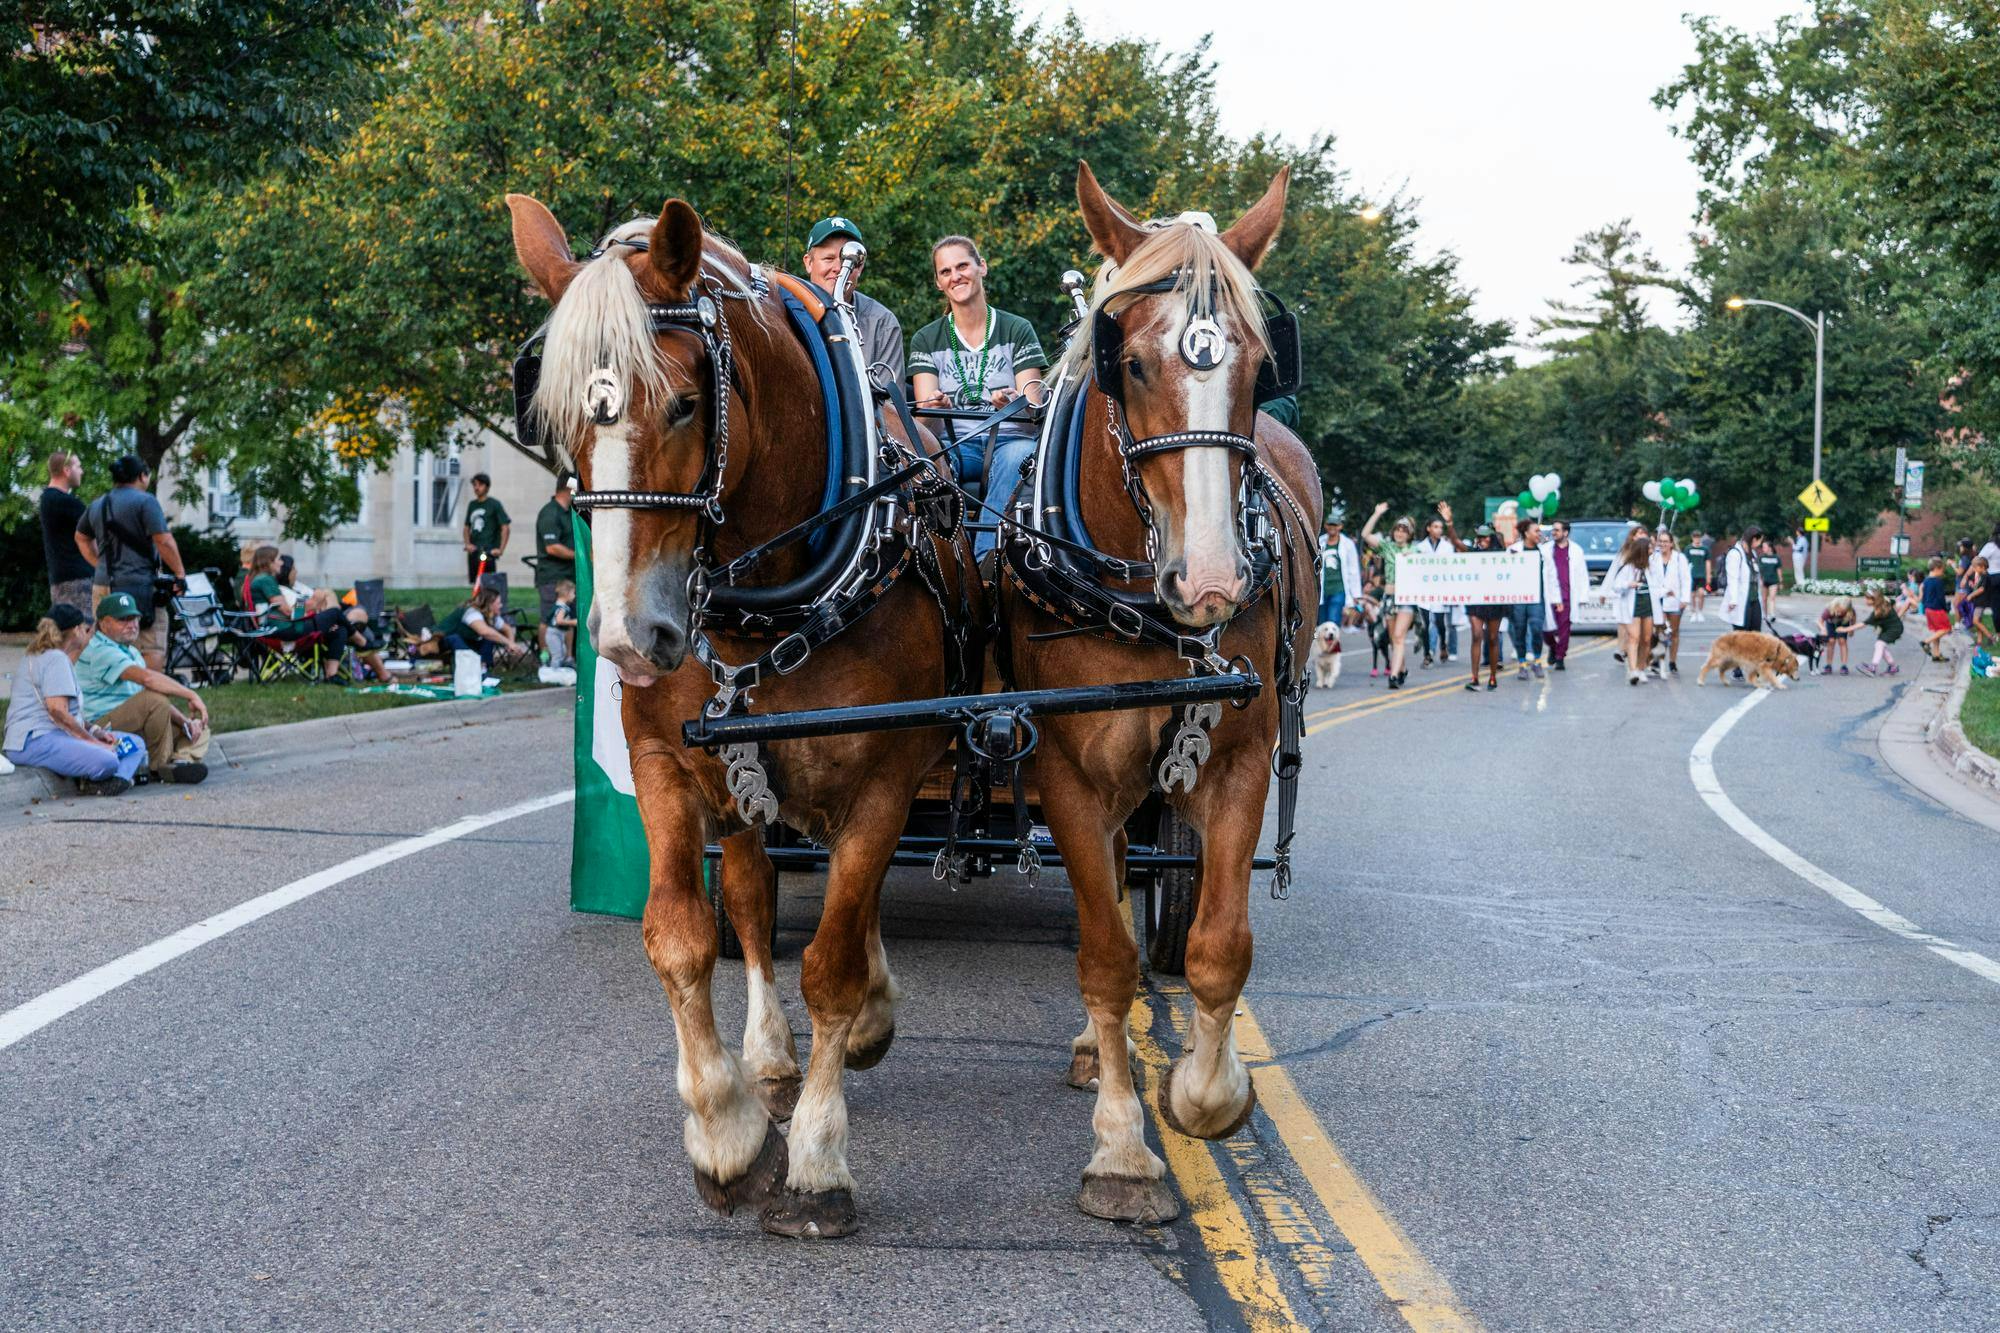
[
  {"x": 1011, "y": 348},
  {"x": 485, "y": 518}
]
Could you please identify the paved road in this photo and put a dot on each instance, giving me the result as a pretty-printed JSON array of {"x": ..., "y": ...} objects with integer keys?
[{"x": 1554, "y": 1048}]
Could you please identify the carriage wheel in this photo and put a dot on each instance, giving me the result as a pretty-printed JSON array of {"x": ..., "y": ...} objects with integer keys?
[
  {"x": 1170, "y": 904},
  {"x": 726, "y": 940}
]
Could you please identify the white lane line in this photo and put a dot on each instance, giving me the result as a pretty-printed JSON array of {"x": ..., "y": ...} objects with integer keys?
[
  {"x": 46, "y": 1008},
  {"x": 1701, "y": 767}
]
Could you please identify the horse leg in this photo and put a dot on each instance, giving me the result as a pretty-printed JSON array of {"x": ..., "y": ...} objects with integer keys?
[
  {"x": 1124, "y": 1180},
  {"x": 1208, "y": 1092},
  {"x": 1083, "y": 1071},
  {"x": 738, "y": 1155},
  {"x": 749, "y": 893},
  {"x": 875, "y": 1027},
  {"x": 818, "y": 1200}
]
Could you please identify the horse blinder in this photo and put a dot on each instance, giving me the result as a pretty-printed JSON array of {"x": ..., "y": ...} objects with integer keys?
[{"x": 1279, "y": 376}]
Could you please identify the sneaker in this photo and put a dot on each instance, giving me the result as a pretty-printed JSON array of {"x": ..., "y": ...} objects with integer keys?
[
  {"x": 1493, "y": 683},
  {"x": 1633, "y": 678},
  {"x": 105, "y": 787},
  {"x": 1866, "y": 669},
  {"x": 1674, "y": 667},
  {"x": 1557, "y": 666},
  {"x": 1522, "y": 674},
  {"x": 1427, "y": 664},
  {"x": 1373, "y": 672},
  {"x": 1618, "y": 656},
  {"x": 1539, "y": 673},
  {"x": 1472, "y": 685},
  {"x": 1395, "y": 683},
  {"x": 1843, "y": 670},
  {"x": 1891, "y": 671},
  {"x": 186, "y": 773}
]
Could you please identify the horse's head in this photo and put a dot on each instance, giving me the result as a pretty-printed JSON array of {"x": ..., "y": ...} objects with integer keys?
[
  {"x": 624, "y": 402},
  {"x": 1181, "y": 312}
]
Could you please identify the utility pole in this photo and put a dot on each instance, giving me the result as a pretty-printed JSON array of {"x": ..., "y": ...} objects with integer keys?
[{"x": 1818, "y": 327}]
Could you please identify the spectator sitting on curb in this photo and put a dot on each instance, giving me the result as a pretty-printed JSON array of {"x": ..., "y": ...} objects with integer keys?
[
  {"x": 44, "y": 728},
  {"x": 122, "y": 693},
  {"x": 475, "y": 626}
]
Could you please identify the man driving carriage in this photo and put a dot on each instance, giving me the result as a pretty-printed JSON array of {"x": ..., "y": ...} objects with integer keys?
[{"x": 881, "y": 331}]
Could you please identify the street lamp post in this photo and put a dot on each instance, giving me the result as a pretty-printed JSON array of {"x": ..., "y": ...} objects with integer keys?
[{"x": 1818, "y": 327}]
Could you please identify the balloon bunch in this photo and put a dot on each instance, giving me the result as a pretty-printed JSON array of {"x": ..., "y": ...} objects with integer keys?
[
  {"x": 1678, "y": 496},
  {"x": 1543, "y": 496}
]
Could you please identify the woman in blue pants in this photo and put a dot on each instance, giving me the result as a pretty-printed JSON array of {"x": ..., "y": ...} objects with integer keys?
[{"x": 45, "y": 726}]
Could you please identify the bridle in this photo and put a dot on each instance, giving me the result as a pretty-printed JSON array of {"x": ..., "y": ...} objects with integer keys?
[
  {"x": 1202, "y": 346},
  {"x": 702, "y": 317}
]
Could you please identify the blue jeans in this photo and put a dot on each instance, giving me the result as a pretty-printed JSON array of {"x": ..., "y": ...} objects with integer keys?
[
  {"x": 456, "y": 643},
  {"x": 1442, "y": 633},
  {"x": 1003, "y": 474},
  {"x": 1524, "y": 625},
  {"x": 1331, "y": 606},
  {"x": 67, "y": 757}
]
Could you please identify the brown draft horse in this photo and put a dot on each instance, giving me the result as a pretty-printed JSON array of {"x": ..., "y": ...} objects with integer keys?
[
  {"x": 853, "y": 793},
  {"x": 1095, "y": 769}
]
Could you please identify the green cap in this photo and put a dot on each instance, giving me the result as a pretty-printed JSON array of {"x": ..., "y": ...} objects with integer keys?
[
  {"x": 117, "y": 606},
  {"x": 833, "y": 226}
]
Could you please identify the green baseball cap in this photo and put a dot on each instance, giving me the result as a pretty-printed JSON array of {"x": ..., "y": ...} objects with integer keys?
[
  {"x": 117, "y": 606},
  {"x": 833, "y": 226}
]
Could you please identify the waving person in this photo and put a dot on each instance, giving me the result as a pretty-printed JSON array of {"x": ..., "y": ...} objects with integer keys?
[
  {"x": 975, "y": 356},
  {"x": 1398, "y": 615}
]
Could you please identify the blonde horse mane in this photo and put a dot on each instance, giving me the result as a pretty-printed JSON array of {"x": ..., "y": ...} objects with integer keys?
[
  {"x": 1211, "y": 279},
  {"x": 602, "y": 323}
]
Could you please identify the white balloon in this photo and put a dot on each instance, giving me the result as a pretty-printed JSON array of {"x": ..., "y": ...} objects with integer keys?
[
  {"x": 1652, "y": 491},
  {"x": 1538, "y": 486},
  {"x": 1688, "y": 482},
  {"x": 1555, "y": 481}
]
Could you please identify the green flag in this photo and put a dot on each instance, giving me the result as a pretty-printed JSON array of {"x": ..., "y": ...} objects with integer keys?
[{"x": 608, "y": 869}]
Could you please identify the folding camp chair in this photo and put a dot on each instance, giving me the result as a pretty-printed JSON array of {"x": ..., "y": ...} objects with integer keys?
[
  {"x": 203, "y": 640},
  {"x": 268, "y": 658}
]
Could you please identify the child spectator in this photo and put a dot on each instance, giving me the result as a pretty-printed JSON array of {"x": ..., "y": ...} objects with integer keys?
[
  {"x": 1937, "y": 607},
  {"x": 1887, "y": 622},
  {"x": 562, "y": 625},
  {"x": 1836, "y": 626}
]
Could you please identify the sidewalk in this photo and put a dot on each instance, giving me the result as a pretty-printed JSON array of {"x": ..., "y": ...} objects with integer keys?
[{"x": 1923, "y": 744}]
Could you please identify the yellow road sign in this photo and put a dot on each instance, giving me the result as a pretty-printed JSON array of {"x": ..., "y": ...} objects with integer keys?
[
  {"x": 1819, "y": 525},
  {"x": 1817, "y": 498}
]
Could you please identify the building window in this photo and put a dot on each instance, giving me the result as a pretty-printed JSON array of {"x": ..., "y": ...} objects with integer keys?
[
  {"x": 434, "y": 492},
  {"x": 226, "y": 502}
]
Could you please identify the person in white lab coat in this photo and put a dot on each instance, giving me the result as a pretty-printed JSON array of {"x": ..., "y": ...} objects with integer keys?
[
  {"x": 1742, "y": 586},
  {"x": 1675, "y": 580},
  {"x": 1634, "y": 595},
  {"x": 1565, "y": 582},
  {"x": 1340, "y": 572}
]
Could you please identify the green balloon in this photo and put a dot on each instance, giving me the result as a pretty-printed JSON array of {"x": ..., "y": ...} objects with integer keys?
[
  {"x": 1549, "y": 504},
  {"x": 1525, "y": 501},
  {"x": 1692, "y": 502},
  {"x": 1667, "y": 485}
]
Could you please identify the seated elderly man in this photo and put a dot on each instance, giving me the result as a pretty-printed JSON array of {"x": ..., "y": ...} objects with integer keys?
[{"x": 121, "y": 693}]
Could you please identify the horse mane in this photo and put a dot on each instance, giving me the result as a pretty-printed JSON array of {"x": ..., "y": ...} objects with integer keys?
[
  {"x": 1210, "y": 278},
  {"x": 602, "y": 322}
]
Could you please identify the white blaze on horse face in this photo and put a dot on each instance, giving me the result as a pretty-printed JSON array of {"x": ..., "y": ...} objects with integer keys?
[
  {"x": 611, "y": 547},
  {"x": 1209, "y": 548}
]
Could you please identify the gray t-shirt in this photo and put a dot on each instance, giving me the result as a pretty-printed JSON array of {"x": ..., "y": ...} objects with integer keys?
[
  {"x": 881, "y": 339},
  {"x": 42, "y": 676},
  {"x": 123, "y": 523}
]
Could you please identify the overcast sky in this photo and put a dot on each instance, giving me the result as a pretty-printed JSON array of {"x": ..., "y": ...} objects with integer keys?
[{"x": 1516, "y": 125}]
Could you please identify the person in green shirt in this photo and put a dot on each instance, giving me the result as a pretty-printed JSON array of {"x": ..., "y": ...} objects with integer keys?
[
  {"x": 280, "y": 618},
  {"x": 121, "y": 693},
  {"x": 555, "y": 557},
  {"x": 975, "y": 356},
  {"x": 1698, "y": 550},
  {"x": 486, "y": 529}
]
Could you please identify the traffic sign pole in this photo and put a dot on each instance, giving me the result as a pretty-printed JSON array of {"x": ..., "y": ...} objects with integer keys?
[{"x": 1819, "y": 412}]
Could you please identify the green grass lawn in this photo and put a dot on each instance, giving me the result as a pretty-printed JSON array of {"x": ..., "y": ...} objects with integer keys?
[{"x": 1981, "y": 715}]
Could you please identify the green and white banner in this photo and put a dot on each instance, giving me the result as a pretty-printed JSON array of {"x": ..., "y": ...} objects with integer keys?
[{"x": 608, "y": 869}]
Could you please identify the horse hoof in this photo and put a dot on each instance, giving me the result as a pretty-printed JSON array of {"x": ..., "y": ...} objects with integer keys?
[
  {"x": 811, "y": 1216},
  {"x": 764, "y": 1180},
  {"x": 1174, "y": 1121},
  {"x": 1083, "y": 1071},
  {"x": 867, "y": 1057},
  {"x": 1128, "y": 1199},
  {"x": 780, "y": 1096}
]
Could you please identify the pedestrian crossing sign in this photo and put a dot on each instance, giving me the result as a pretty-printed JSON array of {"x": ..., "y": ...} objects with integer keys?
[{"x": 1817, "y": 498}]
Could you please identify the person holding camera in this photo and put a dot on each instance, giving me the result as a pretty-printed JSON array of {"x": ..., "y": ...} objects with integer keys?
[
  {"x": 124, "y": 535},
  {"x": 121, "y": 693}
]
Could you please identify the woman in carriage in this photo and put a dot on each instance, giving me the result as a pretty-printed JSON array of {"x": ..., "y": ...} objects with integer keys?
[{"x": 975, "y": 357}]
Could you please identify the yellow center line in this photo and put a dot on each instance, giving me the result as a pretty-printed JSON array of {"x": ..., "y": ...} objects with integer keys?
[{"x": 1420, "y": 1293}]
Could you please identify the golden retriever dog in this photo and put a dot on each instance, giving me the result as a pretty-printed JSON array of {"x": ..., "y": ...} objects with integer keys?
[
  {"x": 1326, "y": 655},
  {"x": 1761, "y": 657}
]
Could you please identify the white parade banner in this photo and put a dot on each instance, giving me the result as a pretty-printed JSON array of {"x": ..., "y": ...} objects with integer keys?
[{"x": 1463, "y": 578}]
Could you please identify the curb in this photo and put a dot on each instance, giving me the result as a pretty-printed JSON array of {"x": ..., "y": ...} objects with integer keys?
[
  {"x": 243, "y": 749},
  {"x": 1948, "y": 742}
]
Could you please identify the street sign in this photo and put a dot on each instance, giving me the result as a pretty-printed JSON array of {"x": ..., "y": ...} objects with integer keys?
[
  {"x": 1913, "y": 485},
  {"x": 1817, "y": 498},
  {"x": 1819, "y": 525},
  {"x": 1902, "y": 461},
  {"x": 1899, "y": 546}
]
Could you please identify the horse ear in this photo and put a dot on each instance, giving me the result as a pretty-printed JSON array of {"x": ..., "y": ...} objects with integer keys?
[
  {"x": 1250, "y": 239},
  {"x": 676, "y": 248},
  {"x": 541, "y": 245},
  {"x": 1115, "y": 232}
]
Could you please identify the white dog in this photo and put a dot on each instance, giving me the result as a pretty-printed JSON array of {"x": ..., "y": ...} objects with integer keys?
[{"x": 1326, "y": 655}]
